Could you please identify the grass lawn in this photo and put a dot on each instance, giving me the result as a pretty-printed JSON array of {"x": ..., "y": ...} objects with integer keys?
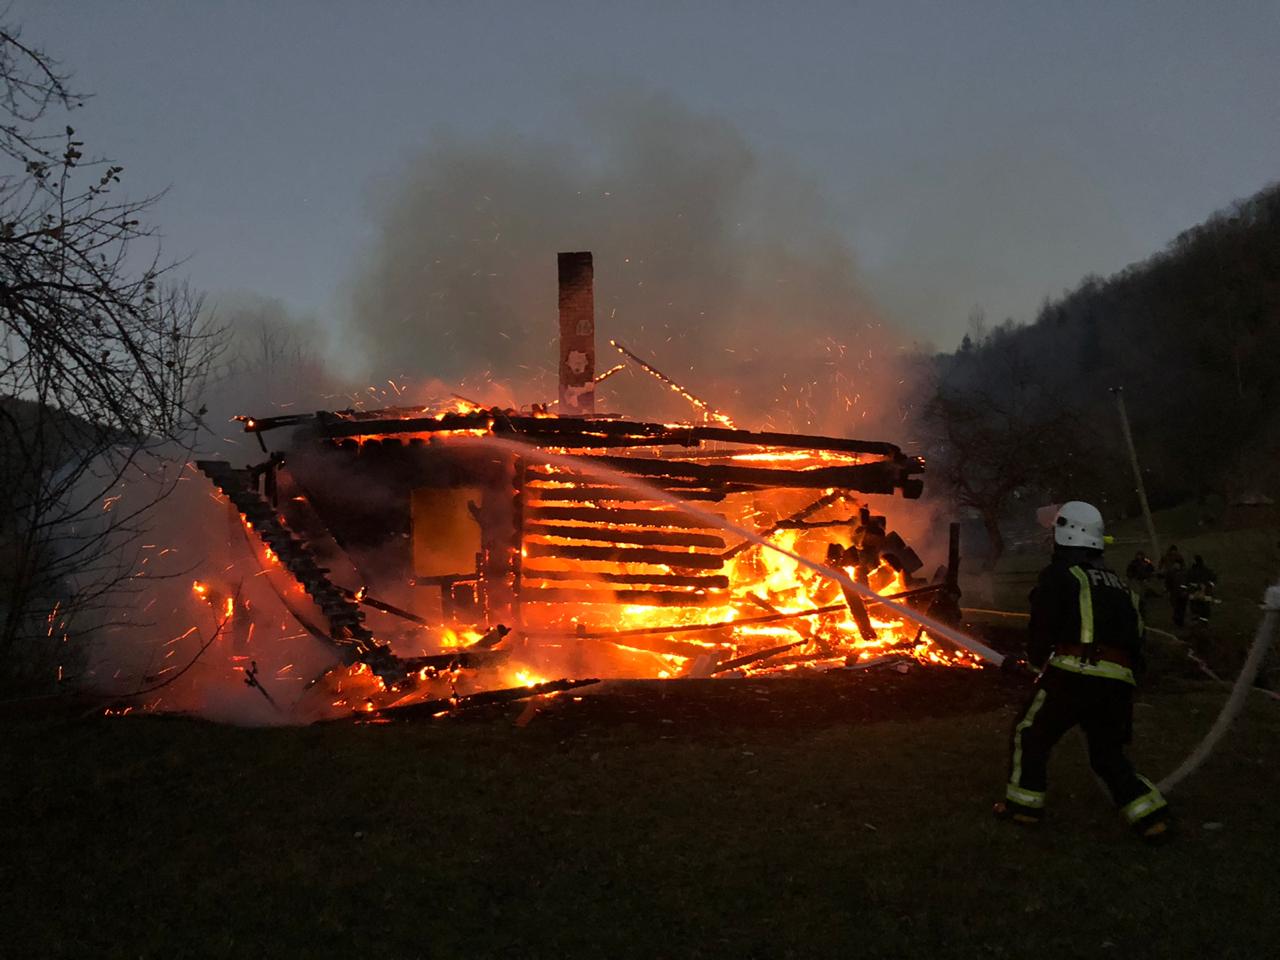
[{"x": 156, "y": 838}]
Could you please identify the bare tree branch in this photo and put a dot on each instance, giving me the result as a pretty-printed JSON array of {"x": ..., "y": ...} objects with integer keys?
[{"x": 102, "y": 358}]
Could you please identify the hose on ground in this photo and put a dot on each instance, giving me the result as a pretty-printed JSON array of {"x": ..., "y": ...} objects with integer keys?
[
  {"x": 1262, "y": 641},
  {"x": 1235, "y": 703}
]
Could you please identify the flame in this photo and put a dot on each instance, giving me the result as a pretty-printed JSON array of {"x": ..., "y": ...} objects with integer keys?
[
  {"x": 762, "y": 584},
  {"x": 458, "y": 638},
  {"x": 735, "y": 610}
]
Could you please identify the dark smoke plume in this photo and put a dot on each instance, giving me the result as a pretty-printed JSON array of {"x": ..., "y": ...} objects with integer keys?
[{"x": 722, "y": 268}]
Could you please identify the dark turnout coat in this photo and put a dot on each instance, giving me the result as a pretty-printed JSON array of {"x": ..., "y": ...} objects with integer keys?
[{"x": 1081, "y": 607}]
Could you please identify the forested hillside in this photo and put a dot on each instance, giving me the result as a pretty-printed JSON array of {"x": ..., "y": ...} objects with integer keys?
[{"x": 1024, "y": 413}]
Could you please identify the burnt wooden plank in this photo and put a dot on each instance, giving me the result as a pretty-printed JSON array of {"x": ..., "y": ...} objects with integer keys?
[
  {"x": 614, "y": 495},
  {"x": 879, "y": 477},
  {"x": 618, "y": 516},
  {"x": 756, "y": 657},
  {"x": 562, "y": 475},
  {"x": 554, "y": 428},
  {"x": 709, "y": 582},
  {"x": 646, "y": 598},
  {"x": 669, "y": 558},
  {"x": 619, "y": 635},
  {"x": 663, "y": 538},
  {"x": 429, "y": 708}
]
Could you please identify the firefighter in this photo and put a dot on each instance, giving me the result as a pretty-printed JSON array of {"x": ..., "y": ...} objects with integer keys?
[
  {"x": 1200, "y": 585},
  {"x": 1085, "y": 637},
  {"x": 1174, "y": 571}
]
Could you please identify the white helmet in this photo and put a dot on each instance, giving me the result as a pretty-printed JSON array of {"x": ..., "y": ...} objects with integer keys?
[{"x": 1078, "y": 524}]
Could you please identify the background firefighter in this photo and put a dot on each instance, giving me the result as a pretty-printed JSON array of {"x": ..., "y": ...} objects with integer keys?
[
  {"x": 1200, "y": 585},
  {"x": 1086, "y": 633}
]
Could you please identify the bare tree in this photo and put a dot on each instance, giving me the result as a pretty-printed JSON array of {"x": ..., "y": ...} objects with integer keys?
[
  {"x": 1002, "y": 433},
  {"x": 102, "y": 358},
  {"x": 274, "y": 357}
]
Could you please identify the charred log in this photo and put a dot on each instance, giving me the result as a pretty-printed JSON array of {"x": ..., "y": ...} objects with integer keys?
[
  {"x": 714, "y": 582},
  {"x": 615, "y": 494},
  {"x": 880, "y": 477},
  {"x": 625, "y": 636},
  {"x": 664, "y": 538},
  {"x": 756, "y": 657},
  {"x": 468, "y": 659},
  {"x": 668, "y": 558},
  {"x": 645, "y": 598},
  {"x": 429, "y": 708},
  {"x": 618, "y": 516},
  {"x": 858, "y": 610}
]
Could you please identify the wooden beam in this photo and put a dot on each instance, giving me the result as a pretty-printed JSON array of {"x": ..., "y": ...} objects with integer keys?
[
  {"x": 657, "y": 517},
  {"x": 563, "y": 475},
  {"x": 552, "y": 428},
  {"x": 665, "y": 538},
  {"x": 643, "y": 598},
  {"x": 429, "y": 708},
  {"x": 654, "y": 644},
  {"x": 712, "y": 582},
  {"x": 910, "y": 594},
  {"x": 465, "y": 659},
  {"x": 860, "y": 616},
  {"x": 754, "y": 657},
  {"x": 695, "y": 627},
  {"x": 669, "y": 558},
  {"x": 879, "y": 477},
  {"x": 613, "y": 494}
]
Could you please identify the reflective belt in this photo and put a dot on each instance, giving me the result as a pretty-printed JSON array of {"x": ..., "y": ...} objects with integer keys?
[
  {"x": 1103, "y": 668},
  {"x": 1086, "y": 607},
  {"x": 1015, "y": 773},
  {"x": 1145, "y": 805}
]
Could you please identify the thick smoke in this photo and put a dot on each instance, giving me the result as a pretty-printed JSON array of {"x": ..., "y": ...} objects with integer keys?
[
  {"x": 275, "y": 361},
  {"x": 719, "y": 265}
]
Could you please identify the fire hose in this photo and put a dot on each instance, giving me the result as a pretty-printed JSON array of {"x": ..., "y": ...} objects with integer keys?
[
  {"x": 1235, "y": 703},
  {"x": 1262, "y": 640}
]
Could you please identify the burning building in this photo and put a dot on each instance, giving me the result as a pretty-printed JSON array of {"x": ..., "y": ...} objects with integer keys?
[{"x": 451, "y": 550}]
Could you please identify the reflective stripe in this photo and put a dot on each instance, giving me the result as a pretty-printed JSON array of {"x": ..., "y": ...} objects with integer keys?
[
  {"x": 1145, "y": 805},
  {"x": 1086, "y": 606},
  {"x": 1103, "y": 668},
  {"x": 1015, "y": 774},
  {"x": 1027, "y": 798}
]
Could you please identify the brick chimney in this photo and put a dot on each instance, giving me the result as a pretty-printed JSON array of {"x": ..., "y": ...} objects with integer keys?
[{"x": 577, "y": 334}]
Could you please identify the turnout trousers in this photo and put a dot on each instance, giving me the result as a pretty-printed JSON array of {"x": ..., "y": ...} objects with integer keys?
[{"x": 1103, "y": 708}]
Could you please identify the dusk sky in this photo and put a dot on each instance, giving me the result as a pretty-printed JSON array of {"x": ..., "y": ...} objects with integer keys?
[{"x": 974, "y": 154}]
